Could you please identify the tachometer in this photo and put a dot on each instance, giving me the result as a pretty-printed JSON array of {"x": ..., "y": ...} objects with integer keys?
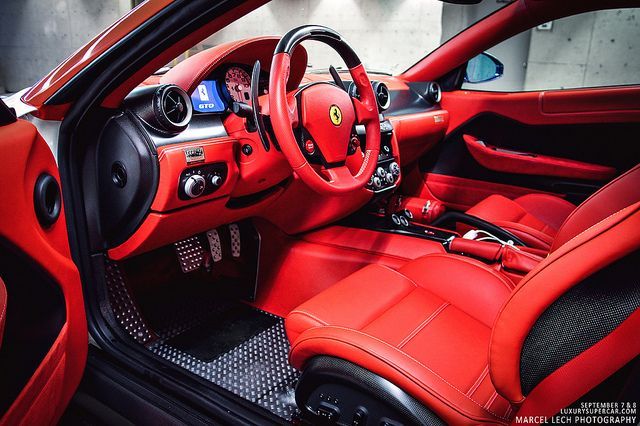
[{"x": 238, "y": 83}]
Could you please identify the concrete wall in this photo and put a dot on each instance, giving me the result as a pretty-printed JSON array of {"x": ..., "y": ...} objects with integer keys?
[
  {"x": 388, "y": 35},
  {"x": 36, "y": 35},
  {"x": 592, "y": 49}
]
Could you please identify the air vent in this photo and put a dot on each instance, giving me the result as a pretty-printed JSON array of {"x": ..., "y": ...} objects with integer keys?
[
  {"x": 172, "y": 108},
  {"x": 433, "y": 93},
  {"x": 382, "y": 95}
]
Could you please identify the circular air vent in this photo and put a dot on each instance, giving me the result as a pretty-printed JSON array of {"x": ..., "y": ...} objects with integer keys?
[
  {"x": 433, "y": 93},
  {"x": 172, "y": 108},
  {"x": 382, "y": 95}
]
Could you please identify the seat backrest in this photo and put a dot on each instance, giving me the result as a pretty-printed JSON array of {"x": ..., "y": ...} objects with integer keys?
[
  {"x": 573, "y": 320},
  {"x": 616, "y": 195}
]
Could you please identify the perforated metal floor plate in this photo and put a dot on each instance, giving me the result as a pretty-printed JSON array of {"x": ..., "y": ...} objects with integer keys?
[
  {"x": 190, "y": 254},
  {"x": 257, "y": 370},
  {"x": 124, "y": 309}
]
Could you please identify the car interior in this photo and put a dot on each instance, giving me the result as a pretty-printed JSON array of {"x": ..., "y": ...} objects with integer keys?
[{"x": 344, "y": 247}]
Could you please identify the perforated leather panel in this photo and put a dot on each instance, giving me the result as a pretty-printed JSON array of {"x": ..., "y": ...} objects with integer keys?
[{"x": 579, "y": 319}]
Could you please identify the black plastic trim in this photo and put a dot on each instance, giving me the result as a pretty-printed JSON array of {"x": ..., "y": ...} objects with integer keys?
[
  {"x": 359, "y": 386},
  {"x": 47, "y": 200}
]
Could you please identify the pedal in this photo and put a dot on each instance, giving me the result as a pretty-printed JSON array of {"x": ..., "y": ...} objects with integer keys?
[
  {"x": 214, "y": 245},
  {"x": 234, "y": 230},
  {"x": 190, "y": 254}
]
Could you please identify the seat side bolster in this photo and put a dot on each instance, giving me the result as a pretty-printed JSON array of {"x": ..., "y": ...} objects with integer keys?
[{"x": 446, "y": 400}]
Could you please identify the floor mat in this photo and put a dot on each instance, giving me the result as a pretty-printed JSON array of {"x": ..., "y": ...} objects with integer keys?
[
  {"x": 217, "y": 335},
  {"x": 254, "y": 367},
  {"x": 257, "y": 369}
]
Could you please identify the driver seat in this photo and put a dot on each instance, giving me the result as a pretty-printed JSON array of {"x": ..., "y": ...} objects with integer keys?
[{"x": 447, "y": 339}]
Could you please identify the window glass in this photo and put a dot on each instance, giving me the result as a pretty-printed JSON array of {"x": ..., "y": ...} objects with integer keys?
[
  {"x": 592, "y": 49},
  {"x": 388, "y": 36}
]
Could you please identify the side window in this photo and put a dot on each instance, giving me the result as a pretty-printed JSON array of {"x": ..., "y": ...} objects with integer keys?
[{"x": 592, "y": 49}]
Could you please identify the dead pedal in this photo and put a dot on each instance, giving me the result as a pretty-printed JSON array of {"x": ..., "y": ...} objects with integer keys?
[{"x": 190, "y": 254}]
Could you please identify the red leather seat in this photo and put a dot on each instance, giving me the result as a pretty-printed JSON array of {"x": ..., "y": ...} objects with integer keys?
[
  {"x": 455, "y": 335},
  {"x": 413, "y": 328},
  {"x": 536, "y": 218}
]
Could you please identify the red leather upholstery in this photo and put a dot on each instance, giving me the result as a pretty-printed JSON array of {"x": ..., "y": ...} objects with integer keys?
[
  {"x": 534, "y": 218},
  {"x": 428, "y": 335},
  {"x": 611, "y": 198},
  {"x": 450, "y": 331},
  {"x": 3, "y": 309}
]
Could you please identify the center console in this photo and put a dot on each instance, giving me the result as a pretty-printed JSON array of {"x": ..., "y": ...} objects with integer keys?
[{"x": 387, "y": 174}]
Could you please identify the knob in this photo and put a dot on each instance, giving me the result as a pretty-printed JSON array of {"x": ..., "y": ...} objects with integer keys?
[
  {"x": 194, "y": 186},
  {"x": 394, "y": 168},
  {"x": 377, "y": 183},
  {"x": 216, "y": 180},
  {"x": 380, "y": 172},
  {"x": 389, "y": 178}
]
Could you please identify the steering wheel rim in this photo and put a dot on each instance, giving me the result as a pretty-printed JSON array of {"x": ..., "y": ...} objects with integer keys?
[{"x": 283, "y": 109}]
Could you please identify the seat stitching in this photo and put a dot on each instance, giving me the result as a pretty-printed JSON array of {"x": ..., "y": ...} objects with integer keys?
[
  {"x": 313, "y": 317},
  {"x": 447, "y": 256},
  {"x": 493, "y": 397},
  {"x": 422, "y": 325},
  {"x": 411, "y": 358},
  {"x": 402, "y": 275},
  {"x": 376, "y": 317},
  {"x": 478, "y": 381},
  {"x": 594, "y": 225}
]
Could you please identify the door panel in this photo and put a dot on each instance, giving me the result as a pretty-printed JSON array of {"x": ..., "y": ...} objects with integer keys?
[
  {"x": 572, "y": 149},
  {"x": 44, "y": 345}
]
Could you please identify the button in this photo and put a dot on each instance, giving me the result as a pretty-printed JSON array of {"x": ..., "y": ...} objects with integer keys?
[
  {"x": 329, "y": 413},
  {"x": 386, "y": 149},
  {"x": 359, "y": 417},
  {"x": 389, "y": 178},
  {"x": 377, "y": 183},
  {"x": 310, "y": 147},
  {"x": 247, "y": 149},
  {"x": 381, "y": 172}
]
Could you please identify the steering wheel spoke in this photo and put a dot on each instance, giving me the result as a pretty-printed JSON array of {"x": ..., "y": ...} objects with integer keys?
[{"x": 338, "y": 174}]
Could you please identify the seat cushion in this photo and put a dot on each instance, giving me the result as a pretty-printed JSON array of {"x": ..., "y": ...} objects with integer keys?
[
  {"x": 425, "y": 327},
  {"x": 534, "y": 218}
]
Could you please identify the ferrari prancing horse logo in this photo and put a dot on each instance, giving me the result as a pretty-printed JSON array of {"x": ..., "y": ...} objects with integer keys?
[{"x": 335, "y": 114}]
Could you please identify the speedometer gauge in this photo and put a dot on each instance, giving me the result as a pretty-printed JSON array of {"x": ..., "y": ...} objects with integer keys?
[{"x": 238, "y": 84}]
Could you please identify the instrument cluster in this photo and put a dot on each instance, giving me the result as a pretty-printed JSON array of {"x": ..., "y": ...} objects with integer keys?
[{"x": 228, "y": 84}]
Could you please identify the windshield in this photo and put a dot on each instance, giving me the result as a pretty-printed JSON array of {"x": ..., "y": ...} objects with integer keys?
[{"x": 388, "y": 36}]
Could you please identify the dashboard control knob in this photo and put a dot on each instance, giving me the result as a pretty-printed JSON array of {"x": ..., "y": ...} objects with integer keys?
[
  {"x": 377, "y": 182},
  {"x": 381, "y": 172},
  {"x": 389, "y": 178},
  {"x": 194, "y": 186},
  {"x": 216, "y": 180},
  {"x": 394, "y": 168}
]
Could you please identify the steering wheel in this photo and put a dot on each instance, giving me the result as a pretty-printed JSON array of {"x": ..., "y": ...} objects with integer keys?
[{"x": 323, "y": 116}]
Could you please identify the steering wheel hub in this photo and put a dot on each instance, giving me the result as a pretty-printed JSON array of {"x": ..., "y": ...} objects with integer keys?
[{"x": 328, "y": 116}]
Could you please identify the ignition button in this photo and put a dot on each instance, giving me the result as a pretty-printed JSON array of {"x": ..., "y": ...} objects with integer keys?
[{"x": 310, "y": 147}]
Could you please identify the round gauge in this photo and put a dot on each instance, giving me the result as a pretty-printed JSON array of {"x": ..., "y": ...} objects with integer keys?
[{"x": 238, "y": 84}]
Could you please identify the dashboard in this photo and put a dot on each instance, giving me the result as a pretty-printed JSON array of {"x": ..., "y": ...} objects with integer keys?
[{"x": 176, "y": 160}]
